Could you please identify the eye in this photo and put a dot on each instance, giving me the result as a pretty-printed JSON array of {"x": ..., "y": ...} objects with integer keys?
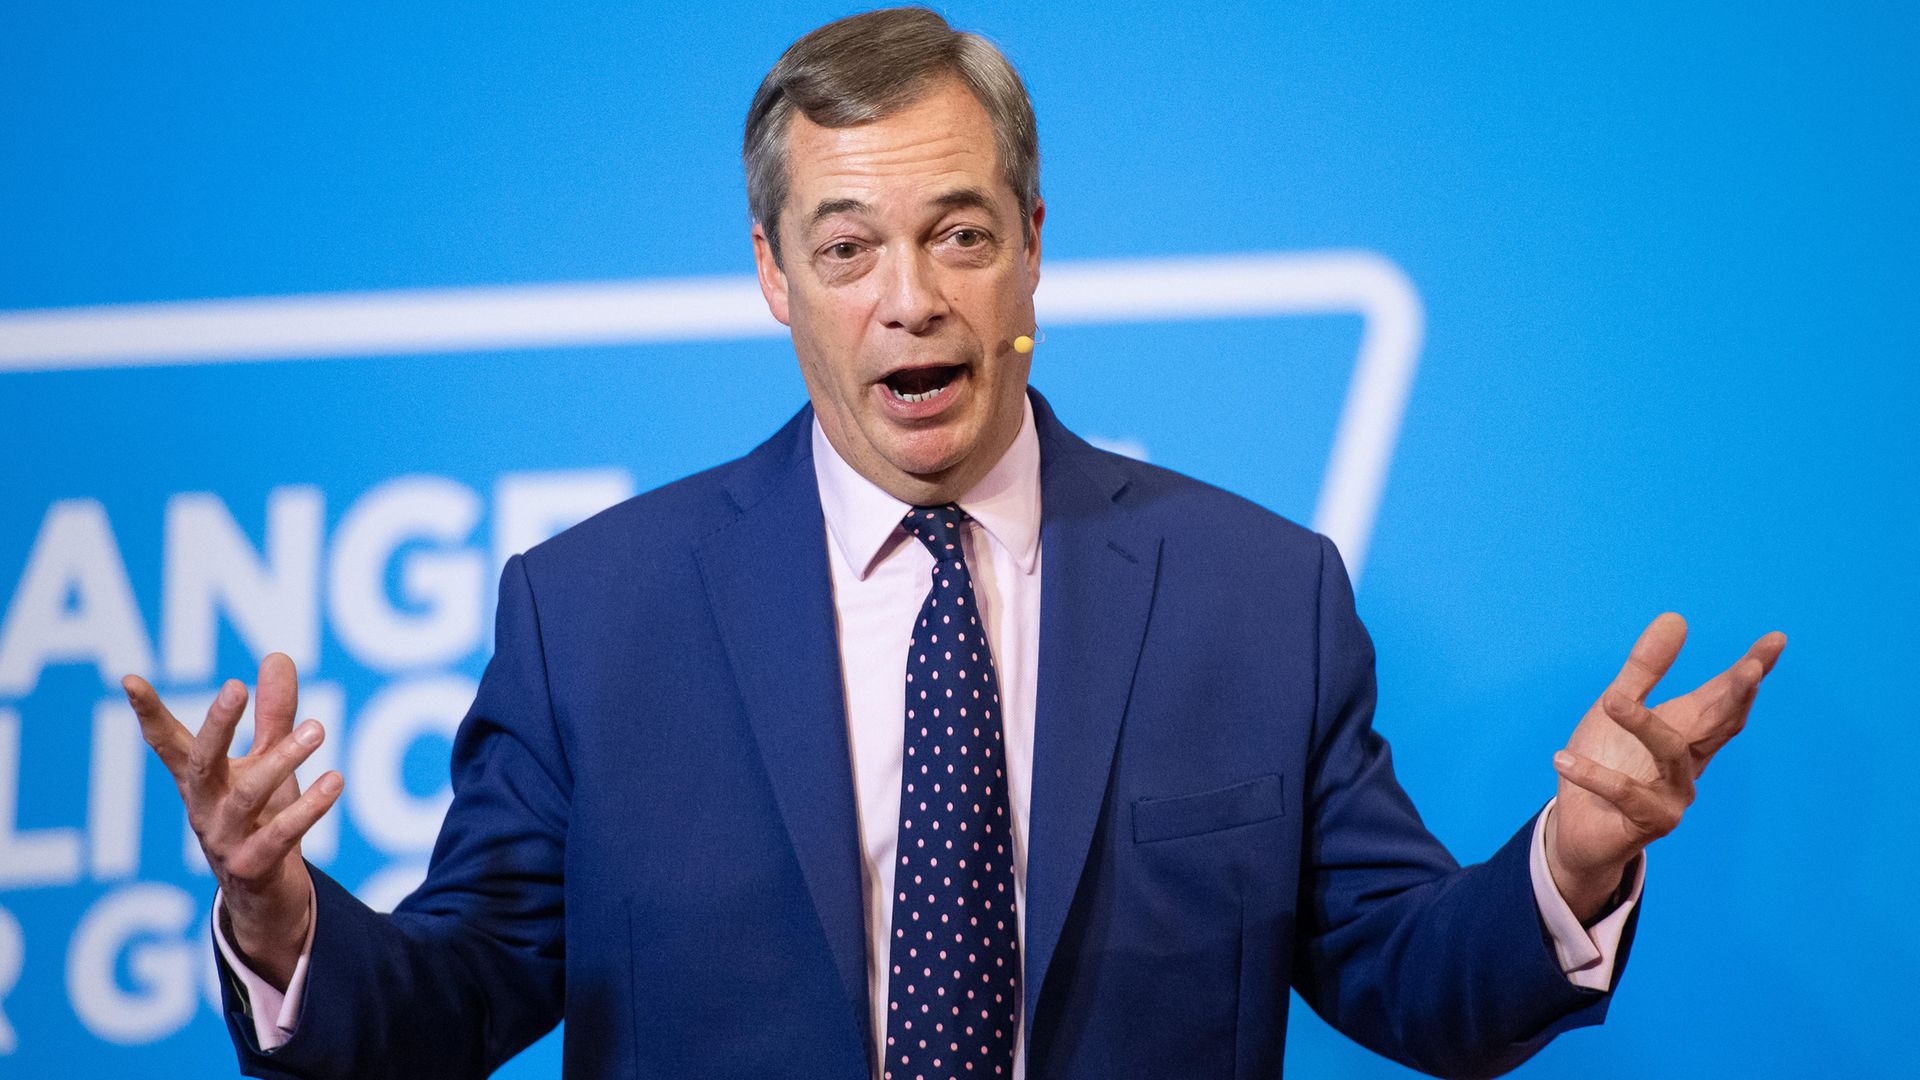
[
  {"x": 845, "y": 249},
  {"x": 968, "y": 237}
]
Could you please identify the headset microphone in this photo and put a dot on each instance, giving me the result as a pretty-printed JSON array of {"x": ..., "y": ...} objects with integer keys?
[{"x": 1024, "y": 344}]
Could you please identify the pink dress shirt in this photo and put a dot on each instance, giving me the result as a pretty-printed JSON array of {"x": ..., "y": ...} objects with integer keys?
[{"x": 879, "y": 583}]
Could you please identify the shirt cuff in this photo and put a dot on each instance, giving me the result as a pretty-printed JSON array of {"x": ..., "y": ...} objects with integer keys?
[
  {"x": 1586, "y": 953},
  {"x": 274, "y": 1014}
]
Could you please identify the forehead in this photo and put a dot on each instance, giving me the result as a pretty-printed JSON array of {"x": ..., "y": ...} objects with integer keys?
[{"x": 942, "y": 141}]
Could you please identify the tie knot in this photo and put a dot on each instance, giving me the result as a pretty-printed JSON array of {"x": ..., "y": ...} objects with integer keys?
[{"x": 938, "y": 527}]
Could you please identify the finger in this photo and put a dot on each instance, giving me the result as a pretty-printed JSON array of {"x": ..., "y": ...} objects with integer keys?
[
  {"x": 207, "y": 759},
  {"x": 276, "y": 701},
  {"x": 1743, "y": 682},
  {"x": 1767, "y": 650},
  {"x": 1704, "y": 749},
  {"x": 1758, "y": 664},
  {"x": 265, "y": 775},
  {"x": 1736, "y": 700},
  {"x": 169, "y": 738},
  {"x": 1637, "y": 802},
  {"x": 1743, "y": 676},
  {"x": 1671, "y": 751},
  {"x": 1651, "y": 656},
  {"x": 276, "y": 839}
]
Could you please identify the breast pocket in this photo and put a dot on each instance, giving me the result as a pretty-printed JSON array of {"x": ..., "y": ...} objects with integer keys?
[{"x": 1172, "y": 817}]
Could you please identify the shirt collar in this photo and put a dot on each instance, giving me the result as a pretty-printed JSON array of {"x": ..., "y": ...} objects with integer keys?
[{"x": 863, "y": 519}]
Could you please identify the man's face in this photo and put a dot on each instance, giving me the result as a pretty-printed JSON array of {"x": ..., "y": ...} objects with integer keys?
[{"x": 906, "y": 279}]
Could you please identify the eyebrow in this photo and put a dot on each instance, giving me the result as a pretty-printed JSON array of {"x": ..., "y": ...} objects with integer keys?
[
  {"x": 830, "y": 207},
  {"x": 972, "y": 198}
]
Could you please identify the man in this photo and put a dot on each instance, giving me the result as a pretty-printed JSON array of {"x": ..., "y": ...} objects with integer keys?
[{"x": 796, "y": 768}]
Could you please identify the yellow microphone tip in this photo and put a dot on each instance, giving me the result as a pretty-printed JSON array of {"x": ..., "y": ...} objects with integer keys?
[{"x": 1023, "y": 344}]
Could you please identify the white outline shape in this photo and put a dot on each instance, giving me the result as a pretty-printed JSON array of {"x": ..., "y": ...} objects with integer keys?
[{"x": 731, "y": 309}]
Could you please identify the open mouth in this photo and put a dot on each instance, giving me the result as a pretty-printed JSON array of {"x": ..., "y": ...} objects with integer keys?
[{"x": 922, "y": 384}]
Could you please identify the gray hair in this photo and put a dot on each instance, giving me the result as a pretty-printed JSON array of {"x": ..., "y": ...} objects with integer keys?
[{"x": 866, "y": 67}]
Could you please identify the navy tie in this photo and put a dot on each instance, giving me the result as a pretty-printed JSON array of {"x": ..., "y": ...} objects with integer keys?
[{"x": 953, "y": 987}]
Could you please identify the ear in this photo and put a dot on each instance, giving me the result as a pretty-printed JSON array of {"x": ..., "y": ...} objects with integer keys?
[
  {"x": 1033, "y": 243},
  {"x": 773, "y": 280}
]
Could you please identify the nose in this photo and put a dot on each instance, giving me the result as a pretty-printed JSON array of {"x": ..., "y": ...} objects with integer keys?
[{"x": 910, "y": 296}]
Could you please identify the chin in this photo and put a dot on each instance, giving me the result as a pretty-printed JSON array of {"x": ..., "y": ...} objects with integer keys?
[
  {"x": 929, "y": 458},
  {"x": 930, "y": 468}
]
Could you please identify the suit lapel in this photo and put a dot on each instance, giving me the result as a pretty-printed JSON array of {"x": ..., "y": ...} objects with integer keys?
[
  {"x": 771, "y": 593},
  {"x": 1098, "y": 569}
]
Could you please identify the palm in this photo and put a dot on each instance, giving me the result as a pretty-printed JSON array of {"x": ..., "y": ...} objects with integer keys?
[
  {"x": 248, "y": 812},
  {"x": 274, "y": 710},
  {"x": 1594, "y": 830},
  {"x": 285, "y": 795}
]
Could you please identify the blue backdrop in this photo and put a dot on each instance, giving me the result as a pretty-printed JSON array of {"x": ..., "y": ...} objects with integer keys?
[{"x": 1643, "y": 278}]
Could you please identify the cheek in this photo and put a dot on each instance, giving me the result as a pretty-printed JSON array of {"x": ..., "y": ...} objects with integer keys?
[
  {"x": 813, "y": 340},
  {"x": 1007, "y": 302},
  {"x": 827, "y": 333},
  {"x": 1011, "y": 380}
]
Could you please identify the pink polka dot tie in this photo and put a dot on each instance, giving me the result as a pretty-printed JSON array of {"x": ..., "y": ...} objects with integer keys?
[{"x": 953, "y": 988}]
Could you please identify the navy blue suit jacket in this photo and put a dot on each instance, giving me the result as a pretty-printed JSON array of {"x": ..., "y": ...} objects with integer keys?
[{"x": 653, "y": 831}]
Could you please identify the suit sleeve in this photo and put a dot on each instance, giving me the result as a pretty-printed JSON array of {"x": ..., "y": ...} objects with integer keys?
[
  {"x": 1442, "y": 968},
  {"x": 468, "y": 970}
]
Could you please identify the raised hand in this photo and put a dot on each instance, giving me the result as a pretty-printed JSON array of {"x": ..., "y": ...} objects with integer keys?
[
  {"x": 248, "y": 811},
  {"x": 1626, "y": 775}
]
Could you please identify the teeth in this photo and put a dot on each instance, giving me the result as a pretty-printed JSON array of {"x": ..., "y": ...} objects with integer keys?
[{"x": 898, "y": 396}]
